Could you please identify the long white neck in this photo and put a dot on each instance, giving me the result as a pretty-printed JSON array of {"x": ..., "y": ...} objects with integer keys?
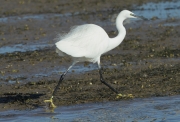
[{"x": 114, "y": 42}]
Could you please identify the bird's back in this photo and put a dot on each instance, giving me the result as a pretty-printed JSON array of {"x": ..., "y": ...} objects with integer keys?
[{"x": 88, "y": 41}]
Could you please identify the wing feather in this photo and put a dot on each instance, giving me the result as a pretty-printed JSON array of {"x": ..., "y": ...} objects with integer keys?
[{"x": 84, "y": 41}]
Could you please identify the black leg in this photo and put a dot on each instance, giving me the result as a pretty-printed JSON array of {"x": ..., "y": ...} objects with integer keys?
[
  {"x": 60, "y": 80},
  {"x": 103, "y": 81}
]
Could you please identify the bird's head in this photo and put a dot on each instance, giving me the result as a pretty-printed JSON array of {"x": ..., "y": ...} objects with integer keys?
[{"x": 128, "y": 14}]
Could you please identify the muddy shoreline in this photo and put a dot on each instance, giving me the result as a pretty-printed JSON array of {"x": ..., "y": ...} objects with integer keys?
[{"x": 146, "y": 64}]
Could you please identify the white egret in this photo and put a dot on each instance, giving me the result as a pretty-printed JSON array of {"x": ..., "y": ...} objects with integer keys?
[{"x": 88, "y": 42}]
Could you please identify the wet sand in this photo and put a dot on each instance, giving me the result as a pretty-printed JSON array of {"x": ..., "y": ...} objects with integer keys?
[{"x": 146, "y": 64}]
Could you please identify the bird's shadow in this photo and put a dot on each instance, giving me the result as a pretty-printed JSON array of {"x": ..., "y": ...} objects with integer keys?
[{"x": 20, "y": 98}]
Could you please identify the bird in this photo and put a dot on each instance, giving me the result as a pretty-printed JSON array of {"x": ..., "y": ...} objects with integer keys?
[{"x": 88, "y": 42}]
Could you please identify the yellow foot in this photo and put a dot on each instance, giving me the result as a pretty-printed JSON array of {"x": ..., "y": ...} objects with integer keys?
[
  {"x": 124, "y": 96},
  {"x": 50, "y": 103}
]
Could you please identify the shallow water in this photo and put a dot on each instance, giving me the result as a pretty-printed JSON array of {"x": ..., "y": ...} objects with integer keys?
[
  {"x": 23, "y": 48},
  {"x": 38, "y": 17},
  {"x": 161, "y": 10},
  {"x": 164, "y": 109}
]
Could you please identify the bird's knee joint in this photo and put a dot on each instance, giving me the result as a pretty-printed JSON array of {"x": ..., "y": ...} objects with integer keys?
[{"x": 102, "y": 80}]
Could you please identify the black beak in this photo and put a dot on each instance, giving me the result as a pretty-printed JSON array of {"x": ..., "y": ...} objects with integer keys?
[{"x": 141, "y": 17}]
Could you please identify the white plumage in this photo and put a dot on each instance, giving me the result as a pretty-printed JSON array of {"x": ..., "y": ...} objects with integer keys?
[{"x": 88, "y": 42}]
